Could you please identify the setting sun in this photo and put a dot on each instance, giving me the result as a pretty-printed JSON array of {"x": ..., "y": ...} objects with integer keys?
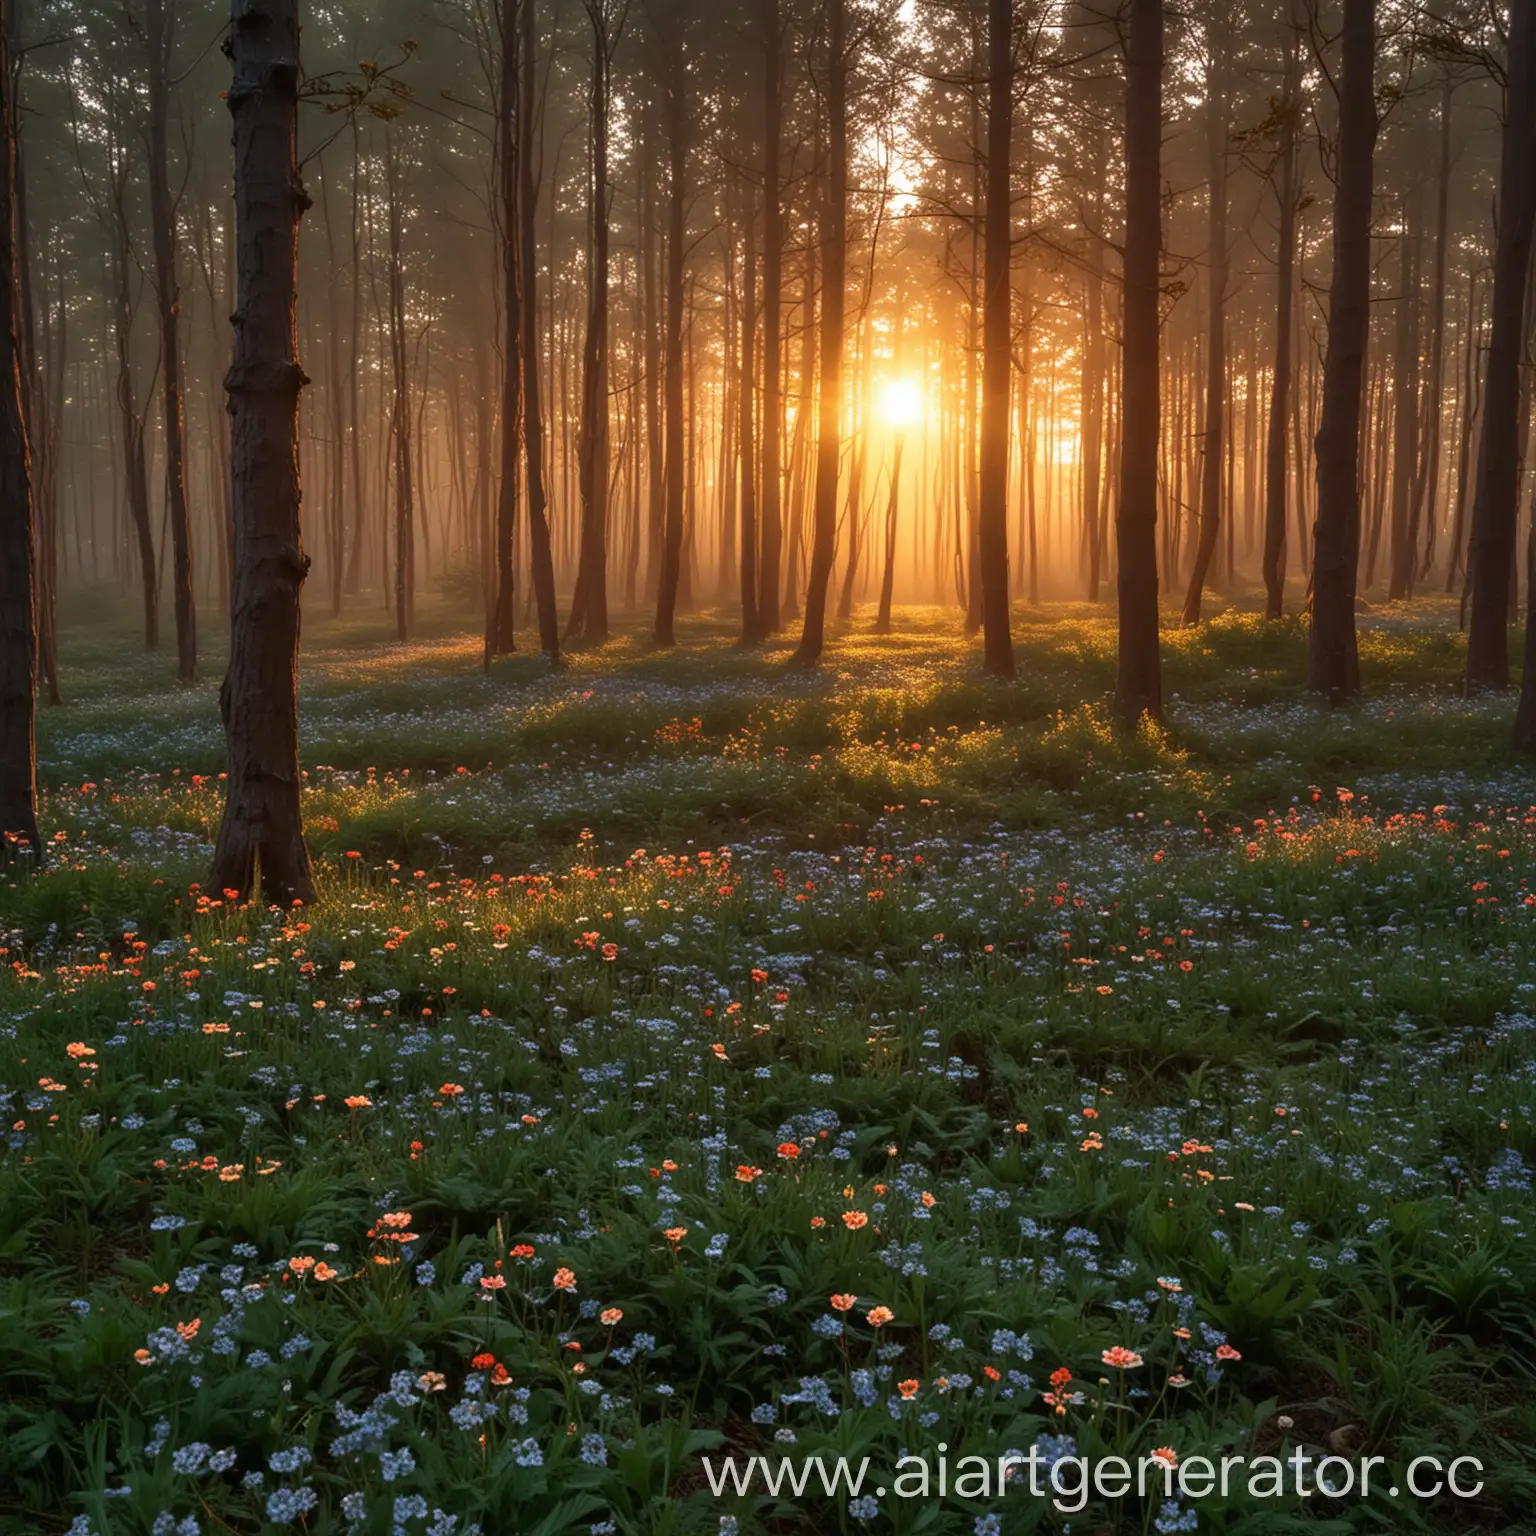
[{"x": 902, "y": 404}]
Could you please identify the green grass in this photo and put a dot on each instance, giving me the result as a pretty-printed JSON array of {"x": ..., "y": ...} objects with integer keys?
[{"x": 592, "y": 944}]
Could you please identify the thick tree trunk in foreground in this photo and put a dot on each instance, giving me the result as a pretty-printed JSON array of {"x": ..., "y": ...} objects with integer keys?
[
  {"x": 162, "y": 217},
  {"x": 18, "y": 555},
  {"x": 1334, "y": 662},
  {"x": 997, "y": 363},
  {"x": 1138, "y": 678},
  {"x": 1495, "y": 508},
  {"x": 834, "y": 245},
  {"x": 262, "y": 836}
]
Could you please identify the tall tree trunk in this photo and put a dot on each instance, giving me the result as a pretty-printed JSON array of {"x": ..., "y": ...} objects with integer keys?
[
  {"x": 541, "y": 556},
  {"x": 676, "y": 469},
  {"x": 834, "y": 266},
  {"x": 997, "y": 363},
  {"x": 771, "y": 515},
  {"x": 751, "y": 628},
  {"x": 400, "y": 410},
  {"x": 1138, "y": 679},
  {"x": 1333, "y": 661},
  {"x": 19, "y": 836},
  {"x": 162, "y": 218},
  {"x": 1405, "y": 418},
  {"x": 1276, "y": 469},
  {"x": 589, "y": 609},
  {"x": 261, "y": 836},
  {"x": 1495, "y": 503},
  {"x": 501, "y": 631},
  {"x": 1216, "y": 337},
  {"x": 1427, "y": 491}
]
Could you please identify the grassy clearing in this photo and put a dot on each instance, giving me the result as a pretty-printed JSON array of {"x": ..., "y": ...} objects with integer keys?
[{"x": 677, "y": 988}]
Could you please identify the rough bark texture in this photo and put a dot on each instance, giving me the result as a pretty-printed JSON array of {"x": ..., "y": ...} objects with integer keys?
[
  {"x": 1333, "y": 661},
  {"x": 1138, "y": 678},
  {"x": 18, "y": 557},
  {"x": 1495, "y": 504},
  {"x": 997, "y": 363},
  {"x": 162, "y": 218},
  {"x": 261, "y": 836},
  {"x": 834, "y": 247}
]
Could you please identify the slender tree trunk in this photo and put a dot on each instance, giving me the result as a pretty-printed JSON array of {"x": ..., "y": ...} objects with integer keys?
[
  {"x": 834, "y": 265},
  {"x": 1405, "y": 417},
  {"x": 1495, "y": 503},
  {"x": 751, "y": 627},
  {"x": 1213, "y": 444},
  {"x": 768, "y": 610},
  {"x": 261, "y": 835},
  {"x": 1138, "y": 680},
  {"x": 400, "y": 412},
  {"x": 1276, "y": 469},
  {"x": 541, "y": 556},
  {"x": 1427, "y": 491},
  {"x": 589, "y": 609},
  {"x": 157, "y": 36},
  {"x": 1334, "y": 662},
  {"x": 501, "y": 632},
  {"x": 997, "y": 361},
  {"x": 676, "y": 469},
  {"x": 19, "y": 836}
]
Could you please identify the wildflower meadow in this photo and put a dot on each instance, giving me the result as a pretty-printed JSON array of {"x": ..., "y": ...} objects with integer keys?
[{"x": 685, "y": 1060}]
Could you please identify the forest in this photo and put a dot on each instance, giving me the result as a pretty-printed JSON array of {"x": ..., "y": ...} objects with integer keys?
[{"x": 707, "y": 707}]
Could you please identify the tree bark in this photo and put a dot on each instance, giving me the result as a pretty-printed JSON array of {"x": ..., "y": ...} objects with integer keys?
[
  {"x": 676, "y": 469},
  {"x": 1276, "y": 469},
  {"x": 261, "y": 836},
  {"x": 19, "y": 838},
  {"x": 771, "y": 514},
  {"x": 1495, "y": 503},
  {"x": 751, "y": 627},
  {"x": 997, "y": 364},
  {"x": 162, "y": 218},
  {"x": 501, "y": 632},
  {"x": 1214, "y": 441},
  {"x": 834, "y": 266},
  {"x": 1138, "y": 680},
  {"x": 1333, "y": 659}
]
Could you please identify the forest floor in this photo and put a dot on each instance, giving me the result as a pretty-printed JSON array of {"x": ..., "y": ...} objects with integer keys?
[{"x": 686, "y": 1058}]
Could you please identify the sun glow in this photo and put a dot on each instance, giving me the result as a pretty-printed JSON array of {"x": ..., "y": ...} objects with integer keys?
[{"x": 902, "y": 404}]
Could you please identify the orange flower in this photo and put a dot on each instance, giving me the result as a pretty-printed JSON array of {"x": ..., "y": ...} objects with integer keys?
[
  {"x": 483, "y": 1361},
  {"x": 188, "y": 1331},
  {"x": 323, "y": 1271},
  {"x": 492, "y": 1283},
  {"x": 675, "y": 1235},
  {"x": 565, "y": 1279},
  {"x": 843, "y": 1301},
  {"x": 818, "y": 1222},
  {"x": 609, "y": 1316},
  {"x": 788, "y": 1149},
  {"x": 1226, "y": 1352},
  {"x": 452, "y": 1090},
  {"x": 358, "y": 1101},
  {"x": 432, "y": 1381},
  {"x": 1121, "y": 1358},
  {"x": 301, "y": 1265},
  {"x": 908, "y": 1388},
  {"x": 1022, "y": 1127},
  {"x": 1167, "y": 1455},
  {"x": 853, "y": 1220},
  {"x": 878, "y": 1317},
  {"x": 992, "y": 1373},
  {"x": 746, "y": 1173},
  {"x": 523, "y": 1251},
  {"x": 1060, "y": 1377}
]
